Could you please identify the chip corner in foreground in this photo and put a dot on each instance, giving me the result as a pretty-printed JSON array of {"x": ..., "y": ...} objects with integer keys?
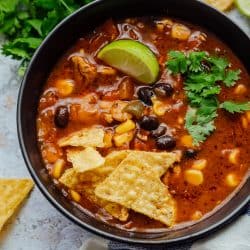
[
  {"x": 135, "y": 185},
  {"x": 12, "y": 194}
]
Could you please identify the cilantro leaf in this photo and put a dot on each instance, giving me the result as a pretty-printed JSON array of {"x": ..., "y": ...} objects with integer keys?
[
  {"x": 195, "y": 59},
  {"x": 26, "y": 23},
  {"x": 231, "y": 77},
  {"x": 218, "y": 63},
  {"x": 197, "y": 129},
  {"x": 177, "y": 62},
  {"x": 234, "y": 107},
  {"x": 8, "y": 5},
  {"x": 36, "y": 24},
  {"x": 201, "y": 84},
  {"x": 46, "y": 4}
]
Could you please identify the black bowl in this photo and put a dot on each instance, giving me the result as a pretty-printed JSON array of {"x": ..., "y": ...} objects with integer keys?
[{"x": 64, "y": 36}]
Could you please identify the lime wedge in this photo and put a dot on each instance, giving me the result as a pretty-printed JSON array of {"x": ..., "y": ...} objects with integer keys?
[
  {"x": 243, "y": 6},
  {"x": 132, "y": 58}
]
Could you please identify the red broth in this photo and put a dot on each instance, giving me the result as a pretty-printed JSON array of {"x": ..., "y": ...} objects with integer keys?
[{"x": 232, "y": 132}]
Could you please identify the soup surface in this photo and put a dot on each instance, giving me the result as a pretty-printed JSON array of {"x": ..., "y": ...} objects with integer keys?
[{"x": 108, "y": 110}]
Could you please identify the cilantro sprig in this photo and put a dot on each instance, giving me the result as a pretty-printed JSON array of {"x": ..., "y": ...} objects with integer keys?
[
  {"x": 203, "y": 75},
  {"x": 25, "y": 23}
]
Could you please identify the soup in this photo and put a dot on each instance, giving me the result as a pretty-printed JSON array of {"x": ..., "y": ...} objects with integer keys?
[{"x": 144, "y": 123}]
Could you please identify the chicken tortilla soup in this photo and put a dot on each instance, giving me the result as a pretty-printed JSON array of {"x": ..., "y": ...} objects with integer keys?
[{"x": 145, "y": 123}]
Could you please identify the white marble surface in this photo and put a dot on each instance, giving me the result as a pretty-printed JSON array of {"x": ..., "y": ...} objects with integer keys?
[{"x": 37, "y": 225}]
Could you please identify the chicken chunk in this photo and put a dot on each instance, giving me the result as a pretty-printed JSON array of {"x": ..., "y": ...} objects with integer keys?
[{"x": 83, "y": 70}]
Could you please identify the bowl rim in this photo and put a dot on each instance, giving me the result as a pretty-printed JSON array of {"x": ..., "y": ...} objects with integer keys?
[{"x": 182, "y": 239}]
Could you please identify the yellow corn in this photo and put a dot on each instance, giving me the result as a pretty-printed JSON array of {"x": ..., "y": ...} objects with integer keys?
[
  {"x": 161, "y": 24},
  {"x": 187, "y": 141},
  {"x": 234, "y": 156},
  {"x": 159, "y": 107},
  {"x": 244, "y": 122},
  {"x": 194, "y": 176},
  {"x": 248, "y": 115},
  {"x": 232, "y": 180},
  {"x": 75, "y": 196},
  {"x": 199, "y": 164},
  {"x": 108, "y": 139},
  {"x": 180, "y": 120},
  {"x": 108, "y": 118},
  {"x": 160, "y": 27},
  {"x": 240, "y": 89},
  {"x": 196, "y": 215},
  {"x": 125, "y": 127},
  {"x": 65, "y": 86},
  {"x": 121, "y": 139},
  {"x": 180, "y": 32},
  {"x": 58, "y": 168}
]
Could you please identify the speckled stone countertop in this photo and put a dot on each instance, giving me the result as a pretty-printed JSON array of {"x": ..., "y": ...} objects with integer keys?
[{"x": 37, "y": 225}]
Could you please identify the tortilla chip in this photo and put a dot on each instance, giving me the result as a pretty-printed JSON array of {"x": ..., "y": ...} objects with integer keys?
[
  {"x": 12, "y": 193},
  {"x": 157, "y": 162},
  {"x": 85, "y": 160},
  {"x": 87, "y": 137},
  {"x": 221, "y": 5},
  {"x": 70, "y": 178},
  {"x": 86, "y": 183},
  {"x": 136, "y": 184}
]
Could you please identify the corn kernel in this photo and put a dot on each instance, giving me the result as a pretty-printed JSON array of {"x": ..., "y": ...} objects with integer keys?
[
  {"x": 180, "y": 32},
  {"x": 125, "y": 127},
  {"x": 160, "y": 27},
  {"x": 108, "y": 139},
  {"x": 159, "y": 107},
  {"x": 124, "y": 138},
  {"x": 248, "y": 115},
  {"x": 187, "y": 141},
  {"x": 75, "y": 196},
  {"x": 196, "y": 215},
  {"x": 244, "y": 122},
  {"x": 65, "y": 86},
  {"x": 194, "y": 176},
  {"x": 232, "y": 180},
  {"x": 108, "y": 118},
  {"x": 240, "y": 89},
  {"x": 199, "y": 164},
  {"x": 58, "y": 168},
  {"x": 180, "y": 120},
  {"x": 233, "y": 156}
]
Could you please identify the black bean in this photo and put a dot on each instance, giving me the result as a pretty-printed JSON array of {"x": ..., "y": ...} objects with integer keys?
[
  {"x": 61, "y": 119},
  {"x": 149, "y": 123},
  {"x": 163, "y": 89},
  {"x": 190, "y": 153},
  {"x": 145, "y": 94},
  {"x": 161, "y": 130},
  {"x": 165, "y": 142}
]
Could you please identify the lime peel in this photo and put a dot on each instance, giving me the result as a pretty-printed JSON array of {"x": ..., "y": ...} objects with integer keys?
[
  {"x": 133, "y": 58},
  {"x": 243, "y": 6}
]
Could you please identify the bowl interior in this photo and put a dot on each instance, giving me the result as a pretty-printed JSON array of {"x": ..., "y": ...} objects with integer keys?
[{"x": 62, "y": 38}]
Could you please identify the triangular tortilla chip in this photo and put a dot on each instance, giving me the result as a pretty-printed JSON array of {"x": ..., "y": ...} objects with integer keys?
[
  {"x": 86, "y": 183},
  {"x": 87, "y": 137},
  {"x": 85, "y": 160},
  {"x": 12, "y": 193},
  {"x": 135, "y": 184}
]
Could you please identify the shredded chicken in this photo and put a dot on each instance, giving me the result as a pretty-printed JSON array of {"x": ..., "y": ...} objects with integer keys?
[{"x": 83, "y": 70}]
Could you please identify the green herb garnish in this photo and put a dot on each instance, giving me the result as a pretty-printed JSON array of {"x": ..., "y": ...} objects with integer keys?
[
  {"x": 25, "y": 23},
  {"x": 203, "y": 73},
  {"x": 234, "y": 107}
]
